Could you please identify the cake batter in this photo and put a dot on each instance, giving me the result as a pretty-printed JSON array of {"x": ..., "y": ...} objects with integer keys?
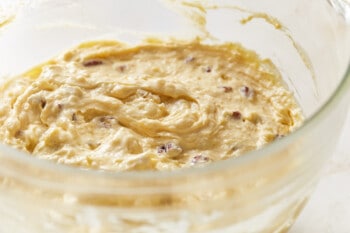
[{"x": 155, "y": 106}]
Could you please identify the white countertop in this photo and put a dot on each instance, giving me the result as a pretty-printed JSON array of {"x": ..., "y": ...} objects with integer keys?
[{"x": 328, "y": 210}]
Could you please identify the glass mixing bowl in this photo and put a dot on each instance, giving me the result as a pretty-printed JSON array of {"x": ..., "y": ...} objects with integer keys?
[{"x": 262, "y": 191}]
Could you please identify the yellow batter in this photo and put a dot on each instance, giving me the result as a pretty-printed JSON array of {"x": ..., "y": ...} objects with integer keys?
[{"x": 156, "y": 106}]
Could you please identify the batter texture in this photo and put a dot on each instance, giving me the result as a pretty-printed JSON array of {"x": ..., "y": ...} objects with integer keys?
[{"x": 155, "y": 106}]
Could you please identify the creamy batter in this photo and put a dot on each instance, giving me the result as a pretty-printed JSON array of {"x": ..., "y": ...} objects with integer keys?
[{"x": 155, "y": 106}]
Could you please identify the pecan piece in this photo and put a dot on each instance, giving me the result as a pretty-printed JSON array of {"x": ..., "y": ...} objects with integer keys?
[
  {"x": 170, "y": 149},
  {"x": 236, "y": 115},
  {"x": 247, "y": 92},
  {"x": 226, "y": 89},
  {"x": 92, "y": 63},
  {"x": 207, "y": 69},
  {"x": 199, "y": 159}
]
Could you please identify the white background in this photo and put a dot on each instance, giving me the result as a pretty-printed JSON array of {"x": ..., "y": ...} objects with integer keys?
[{"x": 328, "y": 210}]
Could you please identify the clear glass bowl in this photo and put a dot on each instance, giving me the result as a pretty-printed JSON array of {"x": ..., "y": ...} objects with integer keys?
[{"x": 263, "y": 191}]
